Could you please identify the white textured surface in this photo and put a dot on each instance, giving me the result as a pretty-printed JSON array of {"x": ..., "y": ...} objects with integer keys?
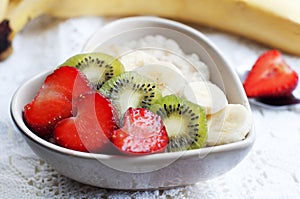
[{"x": 271, "y": 170}]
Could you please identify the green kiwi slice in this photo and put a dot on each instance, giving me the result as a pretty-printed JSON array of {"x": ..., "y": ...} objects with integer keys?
[
  {"x": 130, "y": 89},
  {"x": 98, "y": 67},
  {"x": 185, "y": 122}
]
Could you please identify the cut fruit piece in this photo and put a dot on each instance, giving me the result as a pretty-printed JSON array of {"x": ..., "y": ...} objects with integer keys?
[
  {"x": 207, "y": 95},
  {"x": 143, "y": 132},
  {"x": 70, "y": 81},
  {"x": 90, "y": 129},
  {"x": 270, "y": 76},
  {"x": 47, "y": 108},
  {"x": 130, "y": 90},
  {"x": 168, "y": 78},
  {"x": 98, "y": 67},
  {"x": 54, "y": 100},
  {"x": 185, "y": 122},
  {"x": 231, "y": 124},
  {"x": 136, "y": 59}
]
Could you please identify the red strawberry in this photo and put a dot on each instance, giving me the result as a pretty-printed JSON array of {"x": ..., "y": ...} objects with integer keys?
[
  {"x": 143, "y": 132},
  {"x": 91, "y": 128},
  {"x": 54, "y": 100},
  {"x": 70, "y": 81},
  {"x": 270, "y": 77}
]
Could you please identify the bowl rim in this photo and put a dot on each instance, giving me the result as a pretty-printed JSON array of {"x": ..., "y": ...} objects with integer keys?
[{"x": 17, "y": 116}]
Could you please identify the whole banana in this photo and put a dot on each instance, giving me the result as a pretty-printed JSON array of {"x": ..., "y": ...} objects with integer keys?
[{"x": 274, "y": 23}]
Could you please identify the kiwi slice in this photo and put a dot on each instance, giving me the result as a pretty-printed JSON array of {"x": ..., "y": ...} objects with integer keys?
[
  {"x": 98, "y": 67},
  {"x": 185, "y": 122},
  {"x": 130, "y": 89}
]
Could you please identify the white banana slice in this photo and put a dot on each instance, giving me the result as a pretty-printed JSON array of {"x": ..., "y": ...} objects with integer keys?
[
  {"x": 136, "y": 59},
  {"x": 207, "y": 95},
  {"x": 231, "y": 124},
  {"x": 166, "y": 75}
]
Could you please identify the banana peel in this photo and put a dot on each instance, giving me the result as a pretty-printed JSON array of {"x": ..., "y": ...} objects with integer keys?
[
  {"x": 274, "y": 23},
  {"x": 5, "y": 40}
]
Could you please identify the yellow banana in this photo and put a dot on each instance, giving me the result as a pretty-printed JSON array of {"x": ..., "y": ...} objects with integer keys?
[
  {"x": 274, "y": 23},
  {"x": 18, "y": 14},
  {"x": 26, "y": 10},
  {"x": 3, "y": 8},
  {"x": 5, "y": 31}
]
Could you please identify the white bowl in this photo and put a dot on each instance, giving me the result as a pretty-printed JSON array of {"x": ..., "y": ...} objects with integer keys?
[{"x": 156, "y": 171}]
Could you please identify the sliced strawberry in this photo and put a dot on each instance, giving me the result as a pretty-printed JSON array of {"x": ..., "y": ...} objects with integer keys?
[
  {"x": 71, "y": 82},
  {"x": 54, "y": 100},
  {"x": 91, "y": 128},
  {"x": 45, "y": 110},
  {"x": 143, "y": 132},
  {"x": 270, "y": 77}
]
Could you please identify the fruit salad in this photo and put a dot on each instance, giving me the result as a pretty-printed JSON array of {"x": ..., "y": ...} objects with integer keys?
[{"x": 99, "y": 103}]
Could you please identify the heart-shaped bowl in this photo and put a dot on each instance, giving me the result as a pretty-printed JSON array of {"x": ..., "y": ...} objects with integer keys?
[{"x": 154, "y": 171}]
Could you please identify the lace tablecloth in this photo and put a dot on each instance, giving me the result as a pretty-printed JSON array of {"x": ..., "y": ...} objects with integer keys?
[{"x": 271, "y": 170}]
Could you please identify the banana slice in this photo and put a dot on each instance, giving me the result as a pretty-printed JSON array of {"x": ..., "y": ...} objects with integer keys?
[
  {"x": 167, "y": 76},
  {"x": 231, "y": 124},
  {"x": 136, "y": 59},
  {"x": 207, "y": 95}
]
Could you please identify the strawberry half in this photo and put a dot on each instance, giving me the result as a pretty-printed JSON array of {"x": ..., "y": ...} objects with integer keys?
[
  {"x": 143, "y": 132},
  {"x": 53, "y": 101},
  {"x": 270, "y": 76},
  {"x": 68, "y": 81},
  {"x": 91, "y": 127}
]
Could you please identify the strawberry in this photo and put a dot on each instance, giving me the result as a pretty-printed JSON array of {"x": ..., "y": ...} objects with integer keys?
[
  {"x": 270, "y": 76},
  {"x": 143, "y": 132},
  {"x": 68, "y": 81},
  {"x": 53, "y": 101},
  {"x": 90, "y": 129}
]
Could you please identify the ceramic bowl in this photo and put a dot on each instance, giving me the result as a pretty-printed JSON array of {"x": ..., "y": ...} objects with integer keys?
[{"x": 155, "y": 171}]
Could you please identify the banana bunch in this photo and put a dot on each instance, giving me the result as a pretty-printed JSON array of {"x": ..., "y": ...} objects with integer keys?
[{"x": 275, "y": 23}]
